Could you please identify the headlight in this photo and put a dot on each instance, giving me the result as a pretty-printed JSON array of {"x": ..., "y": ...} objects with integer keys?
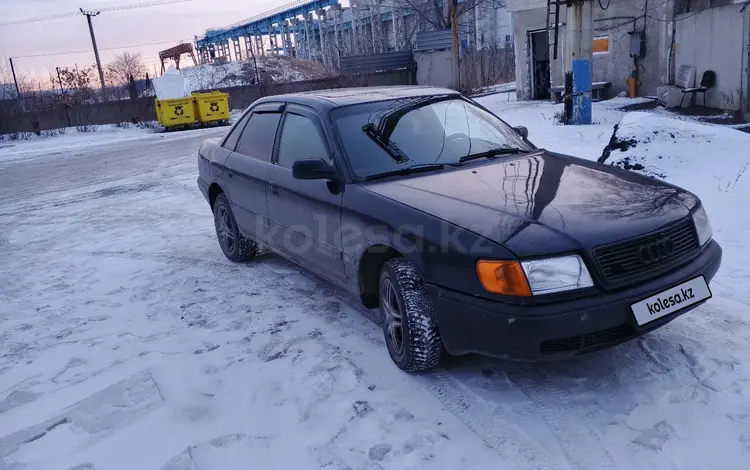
[
  {"x": 702, "y": 226},
  {"x": 559, "y": 274}
]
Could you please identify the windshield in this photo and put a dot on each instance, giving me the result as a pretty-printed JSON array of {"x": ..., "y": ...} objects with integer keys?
[{"x": 392, "y": 135}]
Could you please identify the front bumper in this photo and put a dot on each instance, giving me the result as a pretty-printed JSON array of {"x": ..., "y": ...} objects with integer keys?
[{"x": 557, "y": 330}]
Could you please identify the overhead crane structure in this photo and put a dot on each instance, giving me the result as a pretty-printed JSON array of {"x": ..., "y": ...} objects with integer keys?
[{"x": 320, "y": 30}]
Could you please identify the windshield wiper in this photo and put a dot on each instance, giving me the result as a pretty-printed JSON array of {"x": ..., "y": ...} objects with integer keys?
[
  {"x": 493, "y": 153},
  {"x": 406, "y": 171}
]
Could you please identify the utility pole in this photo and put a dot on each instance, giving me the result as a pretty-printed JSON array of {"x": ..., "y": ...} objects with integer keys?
[
  {"x": 88, "y": 14},
  {"x": 454, "y": 31},
  {"x": 15, "y": 80},
  {"x": 579, "y": 37}
]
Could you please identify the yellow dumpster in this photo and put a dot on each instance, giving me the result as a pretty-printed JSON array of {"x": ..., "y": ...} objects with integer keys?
[
  {"x": 212, "y": 107},
  {"x": 175, "y": 112}
]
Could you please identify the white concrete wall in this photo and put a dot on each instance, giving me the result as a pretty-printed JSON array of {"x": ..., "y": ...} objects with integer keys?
[
  {"x": 715, "y": 39},
  {"x": 435, "y": 69},
  {"x": 519, "y": 5}
]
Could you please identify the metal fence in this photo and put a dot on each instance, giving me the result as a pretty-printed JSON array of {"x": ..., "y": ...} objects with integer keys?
[
  {"x": 375, "y": 63},
  {"x": 434, "y": 40},
  {"x": 56, "y": 115}
]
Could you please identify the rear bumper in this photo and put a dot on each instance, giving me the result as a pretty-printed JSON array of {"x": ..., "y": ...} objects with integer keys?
[{"x": 561, "y": 329}]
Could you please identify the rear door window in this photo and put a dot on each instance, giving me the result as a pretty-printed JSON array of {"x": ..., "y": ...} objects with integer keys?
[{"x": 258, "y": 136}]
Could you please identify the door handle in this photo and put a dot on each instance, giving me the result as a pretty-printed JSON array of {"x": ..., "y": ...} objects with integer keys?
[{"x": 274, "y": 189}]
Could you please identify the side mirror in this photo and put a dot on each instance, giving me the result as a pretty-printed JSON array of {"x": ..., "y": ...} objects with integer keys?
[
  {"x": 313, "y": 169},
  {"x": 522, "y": 131}
]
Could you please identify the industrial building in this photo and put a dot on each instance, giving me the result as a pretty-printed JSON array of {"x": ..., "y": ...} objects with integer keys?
[{"x": 648, "y": 41}]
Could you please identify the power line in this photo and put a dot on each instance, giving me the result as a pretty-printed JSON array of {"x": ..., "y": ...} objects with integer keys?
[
  {"x": 55, "y": 16},
  {"x": 675, "y": 19},
  {"x": 102, "y": 49},
  {"x": 135, "y": 6},
  {"x": 38, "y": 18}
]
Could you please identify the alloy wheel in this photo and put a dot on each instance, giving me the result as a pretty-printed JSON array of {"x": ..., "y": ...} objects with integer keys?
[
  {"x": 225, "y": 228},
  {"x": 393, "y": 321}
]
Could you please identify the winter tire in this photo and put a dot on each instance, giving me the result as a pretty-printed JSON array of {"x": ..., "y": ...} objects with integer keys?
[
  {"x": 235, "y": 247},
  {"x": 409, "y": 324}
]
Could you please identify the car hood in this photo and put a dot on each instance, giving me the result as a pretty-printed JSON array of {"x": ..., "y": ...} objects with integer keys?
[{"x": 543, "y": 203}]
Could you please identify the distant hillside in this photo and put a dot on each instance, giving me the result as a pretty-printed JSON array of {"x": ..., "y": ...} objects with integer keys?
[{"x": 280, "y": 69}]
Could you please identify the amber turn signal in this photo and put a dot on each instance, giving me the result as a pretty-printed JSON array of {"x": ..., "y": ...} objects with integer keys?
[{"x": 503, "y": 277}]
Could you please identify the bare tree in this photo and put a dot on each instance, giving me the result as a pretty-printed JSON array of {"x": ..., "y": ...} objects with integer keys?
[
  {"x": 437, "y": 13},
  {"x": 77, "y": 83},
  {"x": 125, "y": 67}
]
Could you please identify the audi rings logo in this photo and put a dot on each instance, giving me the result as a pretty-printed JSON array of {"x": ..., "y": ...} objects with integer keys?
[{"x": 655, "y": 251}]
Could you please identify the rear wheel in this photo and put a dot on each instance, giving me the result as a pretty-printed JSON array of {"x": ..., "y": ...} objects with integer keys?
[
  {"x": 409, "y": 324},
  {"x": 235, "y": 247}
]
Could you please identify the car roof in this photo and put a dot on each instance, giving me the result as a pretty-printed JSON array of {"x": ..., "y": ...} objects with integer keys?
[{"x": 334, "y": 98}]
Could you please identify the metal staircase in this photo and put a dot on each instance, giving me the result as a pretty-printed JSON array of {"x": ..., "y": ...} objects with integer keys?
[{"x": 553, "y": 19}]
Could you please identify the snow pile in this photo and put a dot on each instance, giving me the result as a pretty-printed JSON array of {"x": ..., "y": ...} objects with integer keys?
[
  {"x": 204, "y": 77},
  {"x": 676, "y": 149},
  {"x": 545, "y": 130},
  {"x": 281, "y": 70}
]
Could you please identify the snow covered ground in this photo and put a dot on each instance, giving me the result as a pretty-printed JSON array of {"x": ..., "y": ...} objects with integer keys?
[
  {"x": 54, "y": 145},
  {"x": 128, "y": 341}
]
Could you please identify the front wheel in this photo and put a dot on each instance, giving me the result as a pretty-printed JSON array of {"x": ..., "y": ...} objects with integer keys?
[
  {"x": 409, "y": 324},
  {"x": 235, "y": 247}
]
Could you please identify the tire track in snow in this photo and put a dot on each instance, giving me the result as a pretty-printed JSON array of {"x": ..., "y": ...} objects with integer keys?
[
  {"x": 496, "y": 429},
  {"x": 570, "y": 428}
]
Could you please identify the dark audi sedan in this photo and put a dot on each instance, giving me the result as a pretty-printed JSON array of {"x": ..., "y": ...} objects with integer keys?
[{"x": 467, "y": 237}]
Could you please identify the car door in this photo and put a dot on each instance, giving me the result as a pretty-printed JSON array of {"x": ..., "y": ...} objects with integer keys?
[
  {"x": 247, "y": 170},
  {"x": 305, "y": 215}
]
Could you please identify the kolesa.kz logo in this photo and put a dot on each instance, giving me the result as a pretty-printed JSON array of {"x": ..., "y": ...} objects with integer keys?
[{"x": 671, "y": 301}]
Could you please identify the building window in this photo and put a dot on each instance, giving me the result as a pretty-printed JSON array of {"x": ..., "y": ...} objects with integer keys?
[{"x": 601, "y": 45}]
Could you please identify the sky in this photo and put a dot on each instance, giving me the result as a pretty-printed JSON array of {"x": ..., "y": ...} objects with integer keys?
[{"x": 166, "y": 24}]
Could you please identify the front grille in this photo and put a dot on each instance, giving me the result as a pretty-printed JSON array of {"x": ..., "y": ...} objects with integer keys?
[
  {"x": 588, "y": 341},
  {"x": 623, "y": 262}
]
